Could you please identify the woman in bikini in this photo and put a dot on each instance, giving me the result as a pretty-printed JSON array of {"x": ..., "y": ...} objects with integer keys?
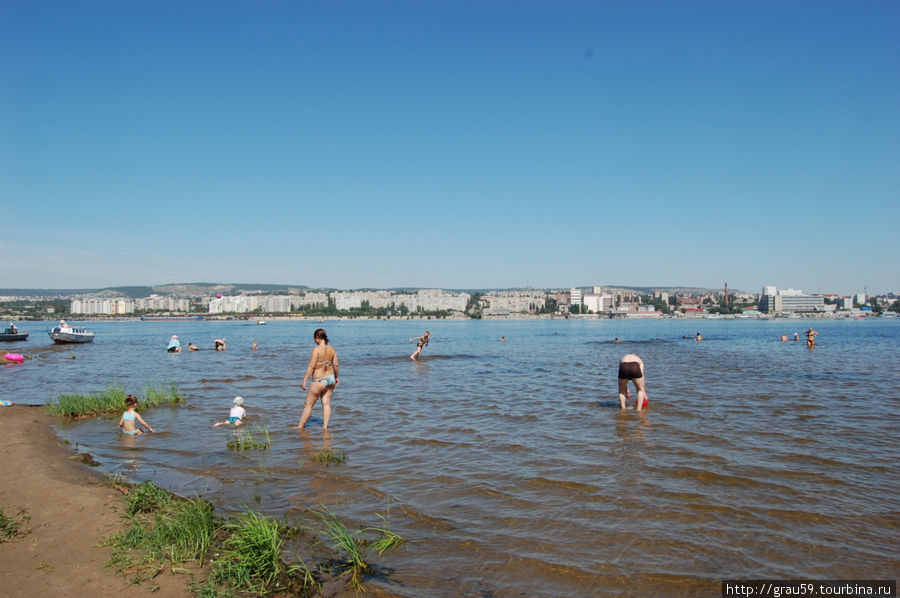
[
  {"x": 632, "y": 368},
  {"x": 322, "y": 373}
]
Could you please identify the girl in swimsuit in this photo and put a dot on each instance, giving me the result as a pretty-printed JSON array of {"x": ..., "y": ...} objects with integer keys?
[
  {"x": 322, "y": 372},
  {"x": 423, "y": 340},
  {"x": 128, "y": 419}
]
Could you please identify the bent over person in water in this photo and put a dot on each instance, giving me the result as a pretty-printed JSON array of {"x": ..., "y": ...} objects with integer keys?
[
  {"x": 323, "y": 371},
  {"x": 631, "y": 367}
]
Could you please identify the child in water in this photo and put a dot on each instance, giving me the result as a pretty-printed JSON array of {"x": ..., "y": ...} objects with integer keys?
[
  {"x": 236, "y": 416},
  {"x": 128, "y": 419}
]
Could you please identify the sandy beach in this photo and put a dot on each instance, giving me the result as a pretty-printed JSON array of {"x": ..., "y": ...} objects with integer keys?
[{"x": 71, "y": 510}]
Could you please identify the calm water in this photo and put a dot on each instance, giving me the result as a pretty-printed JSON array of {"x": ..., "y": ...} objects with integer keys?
[{"x": 508, "y": 467}]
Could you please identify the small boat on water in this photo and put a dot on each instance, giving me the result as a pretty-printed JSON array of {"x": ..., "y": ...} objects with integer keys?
[
  {"x": 260, "y": 322},
  {"x": 12, "y": 334},
  {"x": 64, "y": 333}
]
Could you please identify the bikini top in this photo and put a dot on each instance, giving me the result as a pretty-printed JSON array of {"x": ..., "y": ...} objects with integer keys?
[
  {"x": 128, "y": 416},
  {"x": 325, "y": 362}
]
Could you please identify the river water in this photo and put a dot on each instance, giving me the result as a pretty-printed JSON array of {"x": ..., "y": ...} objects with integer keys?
[{"x": 508, "y": 467}]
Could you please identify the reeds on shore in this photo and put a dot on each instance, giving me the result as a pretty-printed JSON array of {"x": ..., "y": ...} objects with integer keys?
[{"x": 112, "y": 400}]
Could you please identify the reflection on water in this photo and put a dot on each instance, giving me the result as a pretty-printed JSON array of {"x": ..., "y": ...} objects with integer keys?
[{"x": 509, "y": 467}]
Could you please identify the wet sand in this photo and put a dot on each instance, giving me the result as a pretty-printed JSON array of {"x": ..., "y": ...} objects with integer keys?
[{"x": 72, "y": 510}]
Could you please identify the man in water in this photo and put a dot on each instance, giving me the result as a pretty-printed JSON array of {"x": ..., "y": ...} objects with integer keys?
[
  {"x": 631, "y": 367},
  {"x": 811, "y": 337}
]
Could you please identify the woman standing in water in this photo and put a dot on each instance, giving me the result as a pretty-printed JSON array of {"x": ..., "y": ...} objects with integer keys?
[
  {"x": 423, "y": 340},
  {"x": 323, "y": 370}
]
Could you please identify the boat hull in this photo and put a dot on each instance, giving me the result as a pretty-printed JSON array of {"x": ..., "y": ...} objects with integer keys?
[
  {"x": 21, "y": 336},
  {"x": 65, "y": 337}
]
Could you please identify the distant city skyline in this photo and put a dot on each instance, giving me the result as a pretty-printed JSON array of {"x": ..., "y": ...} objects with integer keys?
[{"x": 451, "y": 145}]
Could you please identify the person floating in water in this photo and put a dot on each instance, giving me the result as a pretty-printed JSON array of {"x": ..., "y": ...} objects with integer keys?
[
  {"x": 127, "y": 421},
  {"x": 322, "y": 372},
  {"x": 236, "y": 415},
  {"x": 631, "y": 367},
  {"x": 423, "y": 340},
  {"x": 811, "y": 337}
]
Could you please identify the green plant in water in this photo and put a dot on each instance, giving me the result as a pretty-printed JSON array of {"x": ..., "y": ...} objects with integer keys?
[
  {"x": 389, "y": 540},
  {"x": 111, "y": 400},
  {"x": 243, "y": 440},
  {"x": 328, "y": 456},
  {"x": 345, "y": 542}
]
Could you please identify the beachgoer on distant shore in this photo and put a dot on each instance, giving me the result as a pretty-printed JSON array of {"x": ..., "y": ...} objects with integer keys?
[
  {"x": 631, "y": 368},
  {"x": 236, "y": 415},
  {"x": 322, "y": 372},
  {"x": 423, "y": 340},
  {"x": 219, "y": 344},
  {"x": 128, "y": 419},
  {"x": 174, "y": 344},
  {"x": 811, "y": 337}
]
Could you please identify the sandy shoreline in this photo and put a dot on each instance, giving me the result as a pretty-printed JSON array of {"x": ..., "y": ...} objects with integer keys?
[{"x": 72, "y": 509}]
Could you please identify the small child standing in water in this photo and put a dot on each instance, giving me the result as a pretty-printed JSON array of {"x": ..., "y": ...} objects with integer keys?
[
  {"x": 128, "y": 419},
  {"x": 237, "y": 414}
]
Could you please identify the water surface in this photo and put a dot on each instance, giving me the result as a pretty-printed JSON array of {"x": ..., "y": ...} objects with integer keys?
[{"x": 509, "y": 467}]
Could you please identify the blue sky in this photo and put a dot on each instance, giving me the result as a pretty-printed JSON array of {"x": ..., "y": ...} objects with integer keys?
[{"x": 461, "y": 144}]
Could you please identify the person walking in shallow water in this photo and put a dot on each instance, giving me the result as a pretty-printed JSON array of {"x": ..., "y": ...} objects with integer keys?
[
  {"x": 423, "y": 340},
  {"x": 811, "y": 337},
  {"x": 322, "y": 372},
  {"x": 631, "y": 367}
]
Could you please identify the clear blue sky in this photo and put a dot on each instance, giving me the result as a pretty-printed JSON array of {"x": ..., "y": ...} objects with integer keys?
[{"x": 455, "y": 144}]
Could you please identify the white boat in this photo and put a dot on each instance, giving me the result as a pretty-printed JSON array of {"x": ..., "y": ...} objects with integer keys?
[
  {"x": 260, "y": 322},
  {"x": 64, "y": 333}
]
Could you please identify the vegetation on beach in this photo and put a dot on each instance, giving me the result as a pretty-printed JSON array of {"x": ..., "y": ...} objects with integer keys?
[
  {"x": 112, "y": 400},
  {"x": 247, "y": 551},
  {"x": 11, "y": 526}
]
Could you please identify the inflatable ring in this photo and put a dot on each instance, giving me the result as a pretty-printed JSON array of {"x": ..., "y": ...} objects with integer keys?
[{"x": 14, "y": 357}]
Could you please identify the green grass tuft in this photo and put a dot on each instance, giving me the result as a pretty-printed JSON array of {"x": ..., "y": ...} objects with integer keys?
[
  {"x": 11, "y": 526},
  {"x": 111, "y": 400},
  {"x": 146, "y": 498},
  {"x": 243, "y": 440},
  {"x": 252, "y": 556},
  {"x": 328, "y": 456}
]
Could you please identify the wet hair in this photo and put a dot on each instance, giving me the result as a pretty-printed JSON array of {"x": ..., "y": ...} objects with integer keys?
[
  {"x": 131, "y": 400},
  {"x": 320, "y": 334}
]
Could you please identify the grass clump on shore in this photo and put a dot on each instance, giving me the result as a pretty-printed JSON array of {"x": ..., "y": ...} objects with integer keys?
[
  {"x": 11, "y": 526},
  {"x": 111, "y": 400},
  {"x": 161, "y": 530}
]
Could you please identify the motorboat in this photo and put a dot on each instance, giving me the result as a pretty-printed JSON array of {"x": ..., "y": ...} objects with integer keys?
[
  {"x": 13, "y": 334},
  {"x": 64, "y": 333}
]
